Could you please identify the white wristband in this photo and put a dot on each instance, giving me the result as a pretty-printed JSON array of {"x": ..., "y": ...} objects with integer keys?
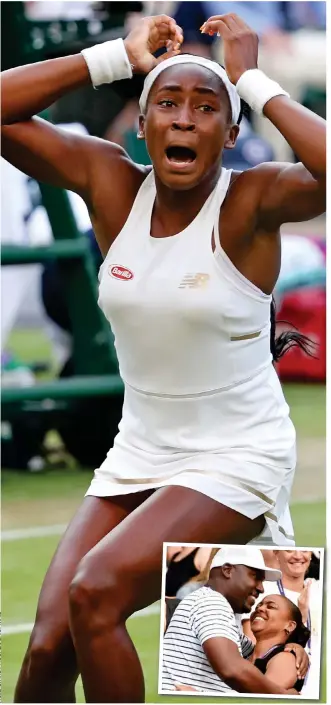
[
  {"x": 256, "y": 89},
  {"x": 107, "y": 62}
]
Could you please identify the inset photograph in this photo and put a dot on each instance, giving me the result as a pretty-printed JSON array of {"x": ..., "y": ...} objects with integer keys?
[{"x": 241, "y": 619}]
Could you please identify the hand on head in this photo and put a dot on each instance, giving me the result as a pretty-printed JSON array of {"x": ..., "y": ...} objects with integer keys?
[
  {"x": 240, "y": 43},
  {"x": 161, "y": 31},
  {"x": 149, "y": 35}
]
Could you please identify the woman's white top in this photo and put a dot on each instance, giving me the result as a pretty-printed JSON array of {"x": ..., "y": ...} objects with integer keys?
[{"x": 185, "y": 320}]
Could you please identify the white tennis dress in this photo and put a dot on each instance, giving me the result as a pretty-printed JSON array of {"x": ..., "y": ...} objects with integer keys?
[{"x": 203, "y": 406}]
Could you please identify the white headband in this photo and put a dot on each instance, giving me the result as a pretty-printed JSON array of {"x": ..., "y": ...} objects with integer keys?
[{"x": 191, "y": 59}]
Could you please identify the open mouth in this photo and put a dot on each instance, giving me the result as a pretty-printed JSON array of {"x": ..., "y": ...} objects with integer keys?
[
  {"x": 180, "y": 155},
  {"x": 259, "y": 619}
]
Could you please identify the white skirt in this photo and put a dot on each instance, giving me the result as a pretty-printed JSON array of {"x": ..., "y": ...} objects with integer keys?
[{"x": 235, "y": 445}]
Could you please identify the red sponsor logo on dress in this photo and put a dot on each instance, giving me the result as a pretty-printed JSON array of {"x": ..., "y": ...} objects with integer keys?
[{"x": 119, "y": 272}]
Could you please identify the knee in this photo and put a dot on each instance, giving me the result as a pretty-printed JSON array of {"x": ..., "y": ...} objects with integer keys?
[
  {"x": 44, "y": 648},
  {"x": 95, "y": 595}
]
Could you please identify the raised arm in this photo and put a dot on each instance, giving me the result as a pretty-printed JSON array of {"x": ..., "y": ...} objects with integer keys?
[
  {"x": 295, "y": 192},
  {"x": 33, "y": 145},
  {"x": 285, "y": 192},
  {"x": 235, "y": 671},
  {"x": 46, "y": 152}
]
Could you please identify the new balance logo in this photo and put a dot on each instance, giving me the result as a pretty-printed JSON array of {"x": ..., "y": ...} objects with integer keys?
[{"x": 194, "y": 281}]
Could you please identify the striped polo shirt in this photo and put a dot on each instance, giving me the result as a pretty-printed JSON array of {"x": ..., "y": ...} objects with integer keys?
[{"x": 200, "y": 616}]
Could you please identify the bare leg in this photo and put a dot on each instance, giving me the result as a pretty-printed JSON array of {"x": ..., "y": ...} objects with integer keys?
[
  {"x": 49, "y": 671},
  {"x": 123, "y": 574}
]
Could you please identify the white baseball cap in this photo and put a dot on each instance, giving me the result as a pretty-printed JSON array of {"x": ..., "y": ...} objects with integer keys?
[{"x": 244, "y": 555}]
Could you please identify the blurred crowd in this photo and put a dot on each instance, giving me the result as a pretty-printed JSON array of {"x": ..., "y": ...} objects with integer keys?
[{"x": 187, "y": 568}]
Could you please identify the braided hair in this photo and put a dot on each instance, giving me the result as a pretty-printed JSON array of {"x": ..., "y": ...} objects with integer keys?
[{"x": 279, "y": 345}]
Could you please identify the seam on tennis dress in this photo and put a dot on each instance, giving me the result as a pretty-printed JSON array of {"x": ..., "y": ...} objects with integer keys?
[
  {"x": 230, "y": 481},
  {"x": 199, "y": 394},
  {"x": 273, "y": 517}
]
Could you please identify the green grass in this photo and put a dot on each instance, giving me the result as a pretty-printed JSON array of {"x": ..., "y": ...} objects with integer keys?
[
  {"x": 30, "y": 345},
  {"x": 309, "y": 520},
  {"x": 18, "y": 485},
  {"x": 24, "y": 564},
  {"x": 307, "y": 403},
  {"x": 144, "y": 631}
]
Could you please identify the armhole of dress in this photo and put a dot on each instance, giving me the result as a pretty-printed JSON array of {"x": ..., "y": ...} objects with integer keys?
[
  {"x": 222, "y": 256},
  {"x": 216, "y": 235},
  {"x": 223, "y": 187},
  {"x": 146, "y": 184}
]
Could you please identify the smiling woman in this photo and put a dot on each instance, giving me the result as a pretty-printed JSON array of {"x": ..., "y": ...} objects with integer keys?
[
  {"x": 206, "y": 448},
  {"x": 304, "y": 593},
  {"x": 276, "y": 622}
]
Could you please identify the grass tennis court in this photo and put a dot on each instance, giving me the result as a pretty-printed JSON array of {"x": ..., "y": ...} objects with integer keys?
[{"x": 48, "y": 499}]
